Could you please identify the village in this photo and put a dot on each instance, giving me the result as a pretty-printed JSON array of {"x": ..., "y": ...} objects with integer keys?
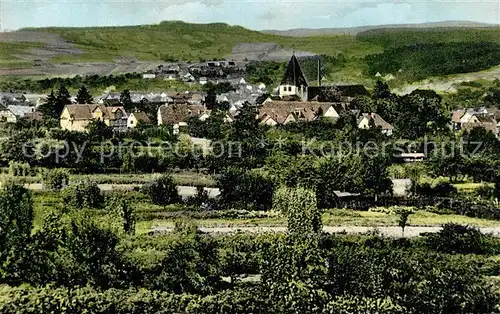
[{"x": 295, "y": 99}]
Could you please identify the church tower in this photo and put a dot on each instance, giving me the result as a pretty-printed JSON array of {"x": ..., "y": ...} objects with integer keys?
[{"x": 294, "y": 82}]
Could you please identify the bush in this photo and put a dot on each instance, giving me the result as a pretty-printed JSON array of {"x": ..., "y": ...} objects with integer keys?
[
  {"x": 354, "y": 304},
  {"x": 83, "y": 195},
  {"x": 55, "y": 179},
  {"x": 458, "y": 239},
  {"x": 245, "y": 189},
  {"x": 442, "y": 189},
  {"x": 163, "y": 191},
  {"x": 19, "y": 169}
]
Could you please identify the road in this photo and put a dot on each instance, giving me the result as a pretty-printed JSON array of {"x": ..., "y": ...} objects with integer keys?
[
  {"x": 184, "y": 191},
  {"x": 386, "y": 231},
  {"x": 399, "y": 187}
]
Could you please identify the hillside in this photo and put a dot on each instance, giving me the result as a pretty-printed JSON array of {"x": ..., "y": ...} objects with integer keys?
[
  {"x": 305, "y": 32},
  {"x": 354, "y": 58},
  {"x": 190, "y": 42}
]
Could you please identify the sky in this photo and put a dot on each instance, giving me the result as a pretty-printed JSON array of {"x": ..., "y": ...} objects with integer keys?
[{"x": 253, "y": 14}]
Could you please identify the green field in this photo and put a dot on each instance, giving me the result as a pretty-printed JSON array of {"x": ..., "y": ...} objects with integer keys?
[{"x": 9, "y": 54}]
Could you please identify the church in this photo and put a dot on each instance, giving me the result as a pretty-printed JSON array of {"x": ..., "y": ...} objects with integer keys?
[{"x": 295, "y": 85}]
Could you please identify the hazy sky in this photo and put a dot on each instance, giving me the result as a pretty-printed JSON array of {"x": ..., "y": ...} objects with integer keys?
[{"x": 254, "y": 14}]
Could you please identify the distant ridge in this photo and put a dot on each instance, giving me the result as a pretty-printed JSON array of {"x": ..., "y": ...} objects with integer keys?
[{"x": 305, "y": 32}]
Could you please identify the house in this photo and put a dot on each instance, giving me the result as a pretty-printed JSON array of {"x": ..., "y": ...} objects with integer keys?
[
  {"x": 467, "y": 119},
  {"x": 482, "y": 121},
  {"x": 78, "y": 117},
  {"x": 21, "y": 111},
  {"x": 283, "y": 112},
  {"x": 178, "y": 115},
  {"x": 367, "y": 119},
  {"x": 137, "y": 117},
  {"x": 6, "y": 115},
  {"x": 149, "y": 76}
]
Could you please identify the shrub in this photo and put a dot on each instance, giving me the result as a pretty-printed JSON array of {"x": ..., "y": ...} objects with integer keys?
[
  {"x": 245, "y": 189},
  {"x": 19, "y": 169},
  {"x": 163, "y": 191},
  {"x": 119, "y": 204},
  {"x": 300, "y": 207},
  {"x": 83, "y": 195},
  {"x": 55, "y": 179},
  {"x": 355, "y": 304},
  {"x": 442, "y": 189},
  {"x": 458, "y": 239},
  {"x": 486, "y": 191}
]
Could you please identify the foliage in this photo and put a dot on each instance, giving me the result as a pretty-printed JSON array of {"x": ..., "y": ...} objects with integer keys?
[
  {"x": 293, "y": 274},
  {"x": 300, "y": 207},
  {"x": 457, "y": 239},
  {"x": 163, "y": 191},
  {"x": 84, "y": 96},
  {"x": 16, "y": 223},
  {"x": 191, "y": 265},
  {"x": 348, "y": 305},
  {"x": 404, "y": 214},
  {"x": 418, "y": 61},
  {"x": 244, "y": 189},
  {"x": 85, "y": 194},
  {"x": 19, "y": 169},
  {"x": 55, "y": 179},
  {"x": 119, "y": 204}
]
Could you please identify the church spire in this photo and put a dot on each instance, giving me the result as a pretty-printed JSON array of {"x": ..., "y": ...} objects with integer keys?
[{"x": 293, "y": 74}]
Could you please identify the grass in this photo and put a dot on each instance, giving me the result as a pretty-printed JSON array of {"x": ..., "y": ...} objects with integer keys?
[
  {"x": 185, "y": 41},
  {"x": 9, "y": 54},
  {"x": 342, "y": 217}
]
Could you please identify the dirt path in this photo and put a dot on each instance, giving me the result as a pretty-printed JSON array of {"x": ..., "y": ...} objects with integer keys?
[{"x": 386, "y": 231}]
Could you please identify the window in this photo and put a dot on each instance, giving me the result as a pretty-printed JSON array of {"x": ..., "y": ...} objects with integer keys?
[{"x": 289, "y": 88}]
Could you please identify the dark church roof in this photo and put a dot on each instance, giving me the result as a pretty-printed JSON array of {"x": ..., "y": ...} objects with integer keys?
[{"x": 294, "y": 75}]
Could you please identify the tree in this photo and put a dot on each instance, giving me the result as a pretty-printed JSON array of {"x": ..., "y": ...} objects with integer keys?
[
  {"x": 244, "y": 189},
  {"x": 99, "y": 131},
  {"x": 126, "y": 99},
  {"x": 83, "y": 96},
  {"x": 119, "y": 204},
  {"x": 300, "y": 207},
  {"x": 420, "y": 113},
  {"x": 83, "y": 195},
  {"x": 381, "y": 90},
  {"x": 191, "y": 265},
  {"x": 48, "y": 108},
  {"x": 163, "y": 191},
  {"x": 63, "y": 98},
  {"x": 497, "y": 186},
  {"x": 55, "y": 179},
  {"x": 403, "y": 219},
  {"x": 16, "y": 224}
]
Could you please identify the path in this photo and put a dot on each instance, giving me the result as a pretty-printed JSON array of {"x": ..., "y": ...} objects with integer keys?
[
  {"x": 184, "y": 191},
  {"x": 399, "y": 187},
  {"x": 386, "y": 231}
]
